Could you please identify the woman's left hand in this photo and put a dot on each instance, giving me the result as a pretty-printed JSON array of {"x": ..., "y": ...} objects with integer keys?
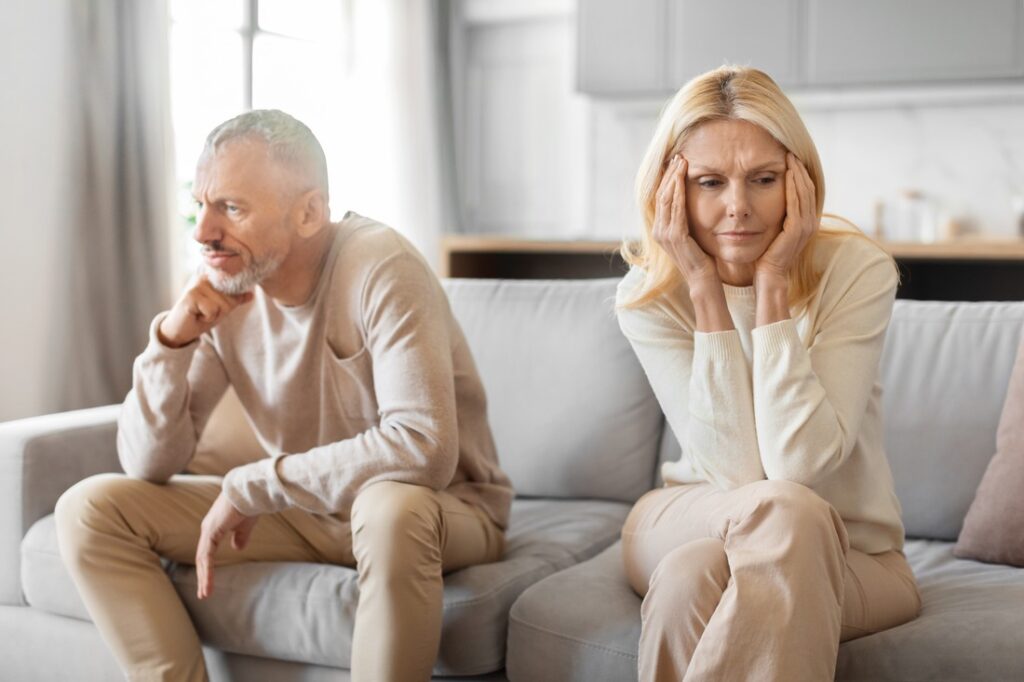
[{"x": 800, "y": 223}]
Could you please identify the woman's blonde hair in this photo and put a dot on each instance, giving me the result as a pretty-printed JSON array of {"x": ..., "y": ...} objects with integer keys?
[{"x": 728, "y": 92}]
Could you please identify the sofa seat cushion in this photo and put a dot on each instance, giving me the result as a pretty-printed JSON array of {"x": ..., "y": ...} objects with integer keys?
[
  {"x": 305, "y": 612},
  {"x": 584, "y": 624}
]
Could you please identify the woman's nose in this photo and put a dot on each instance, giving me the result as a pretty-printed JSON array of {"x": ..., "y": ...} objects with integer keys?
[{"x": 738, "y": 205}]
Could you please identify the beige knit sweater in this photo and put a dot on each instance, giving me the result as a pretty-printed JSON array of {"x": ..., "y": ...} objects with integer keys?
[
  {"x": 369, "y": 380},
  {"x": 796, "y": 400}
]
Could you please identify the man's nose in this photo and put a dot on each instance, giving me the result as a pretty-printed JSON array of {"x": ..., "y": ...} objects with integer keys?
[{"x": 206, "y": 229}]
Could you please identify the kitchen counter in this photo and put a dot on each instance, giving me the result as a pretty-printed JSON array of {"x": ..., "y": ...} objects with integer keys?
[{"x": 971, "y": 268}]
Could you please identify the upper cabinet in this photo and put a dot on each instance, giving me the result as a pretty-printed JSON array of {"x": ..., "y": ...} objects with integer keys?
[
  {"x": 703, "y": 35},
  {"x": 886, "y": 41},
  {"x": 651, "y": 47},
  {"x": 621, "y": 47}
]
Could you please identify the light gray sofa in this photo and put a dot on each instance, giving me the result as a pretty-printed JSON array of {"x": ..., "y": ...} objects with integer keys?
[{"x": 581, "y": 435}]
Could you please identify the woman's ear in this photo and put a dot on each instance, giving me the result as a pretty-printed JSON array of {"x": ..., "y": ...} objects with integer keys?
[{"x": 310, "y": 213}]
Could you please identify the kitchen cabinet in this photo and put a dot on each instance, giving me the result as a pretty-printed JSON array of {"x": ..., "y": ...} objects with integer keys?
[
  {"x": 703, "y": 35},
  {"x": 651, "y": 47},
  {"x": 621, "y": 47},
  {"x": 881, "y": 41}
]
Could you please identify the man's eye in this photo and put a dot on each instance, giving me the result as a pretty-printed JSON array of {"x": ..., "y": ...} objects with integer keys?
[{"x": 231, "y": 208}]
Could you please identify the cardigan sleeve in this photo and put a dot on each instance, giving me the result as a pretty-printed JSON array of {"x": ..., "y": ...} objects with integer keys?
[
  {"x": 702, "y": 382},
  {"x": 809, "y": 400}
]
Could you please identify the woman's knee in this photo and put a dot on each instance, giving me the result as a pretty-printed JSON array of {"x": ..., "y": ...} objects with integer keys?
[
  {"x": 690, "y": 571},
  {"x": 790, "y": 499}
]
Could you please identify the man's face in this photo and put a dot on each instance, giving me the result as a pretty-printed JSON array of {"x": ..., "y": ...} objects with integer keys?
[{"x": 242, "y": 218}]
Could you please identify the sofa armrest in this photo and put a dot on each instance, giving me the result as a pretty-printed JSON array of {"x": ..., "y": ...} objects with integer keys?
[{"x": 40, "y": 458}]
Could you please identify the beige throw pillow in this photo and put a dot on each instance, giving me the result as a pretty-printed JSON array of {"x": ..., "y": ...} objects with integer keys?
[
  {"x": 227, "y": 441},
  {"x": 994, "y": 527}
]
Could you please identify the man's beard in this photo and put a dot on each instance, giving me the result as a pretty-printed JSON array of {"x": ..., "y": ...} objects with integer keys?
[{"x": 244, "y": 281}]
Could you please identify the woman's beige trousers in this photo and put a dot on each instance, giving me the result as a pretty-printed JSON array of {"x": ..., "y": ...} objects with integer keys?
[{"x": 756, "y": 583}]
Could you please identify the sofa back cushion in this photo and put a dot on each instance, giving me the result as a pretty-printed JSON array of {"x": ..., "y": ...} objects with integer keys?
[
  {"x": 571, "y": 410},
  {"x": 945, "y": 370}
]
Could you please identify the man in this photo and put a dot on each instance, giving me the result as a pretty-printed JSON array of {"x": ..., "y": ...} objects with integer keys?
[{"x": 341, "y": 346}]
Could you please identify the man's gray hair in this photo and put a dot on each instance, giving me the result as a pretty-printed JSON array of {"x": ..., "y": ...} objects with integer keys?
[{"x": 288, "y": 139}]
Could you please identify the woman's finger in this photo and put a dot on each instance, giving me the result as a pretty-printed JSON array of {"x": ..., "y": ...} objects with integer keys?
[
  {"x": 663, "y": 206},
  {"x": 792, "y": 200},
  {"x": 678, "y": 222}
]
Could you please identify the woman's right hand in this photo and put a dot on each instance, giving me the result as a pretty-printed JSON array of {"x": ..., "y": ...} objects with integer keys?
[{"x": 672, "y": 232}]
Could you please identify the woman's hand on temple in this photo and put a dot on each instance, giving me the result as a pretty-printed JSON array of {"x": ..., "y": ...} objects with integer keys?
[
  {"x": 800, "y": 224},
  {"x": 672, "y": 232}
]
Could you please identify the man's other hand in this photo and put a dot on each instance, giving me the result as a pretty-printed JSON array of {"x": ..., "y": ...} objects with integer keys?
[
  {"x": 221, "y": 521},
  {"x": 198, "y": 310}
]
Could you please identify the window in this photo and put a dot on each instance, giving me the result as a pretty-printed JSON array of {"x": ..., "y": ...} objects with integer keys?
[{"x": 229, "y": 56}]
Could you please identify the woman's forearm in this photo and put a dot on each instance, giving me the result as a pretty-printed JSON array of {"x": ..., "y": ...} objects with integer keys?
[
  {"x": 772, "y": 300},
  {"x": 710, "y": 308}
]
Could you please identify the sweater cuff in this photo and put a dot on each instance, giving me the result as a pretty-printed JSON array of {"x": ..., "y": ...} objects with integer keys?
[
  {"x": 255, "y": 488},
  {"x": 717, "y": 346},
  {"x": 158, "y": 347},
  {"x": 772, "y": 339}
]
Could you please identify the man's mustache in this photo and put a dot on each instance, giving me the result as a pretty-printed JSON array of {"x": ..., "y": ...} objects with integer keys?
[{"x": 216, "y": 247}]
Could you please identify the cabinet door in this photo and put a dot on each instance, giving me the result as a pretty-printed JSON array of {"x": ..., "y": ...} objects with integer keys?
[
  {"x": 621, "y": 47},
  {"x": 704, "y": 35},
  {"x": 891, "y": 41}
]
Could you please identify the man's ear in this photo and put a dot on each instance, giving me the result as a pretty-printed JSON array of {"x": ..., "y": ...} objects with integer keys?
[{"x": 310, "y": 213}]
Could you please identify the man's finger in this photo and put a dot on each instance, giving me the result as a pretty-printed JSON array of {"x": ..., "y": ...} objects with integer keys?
[
  {"x": 204, "y": 567},
  {"x": 240, "y": 538}
]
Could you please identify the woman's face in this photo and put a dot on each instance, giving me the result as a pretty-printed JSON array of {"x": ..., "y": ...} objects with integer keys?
[{"x": 735, "y": 194}]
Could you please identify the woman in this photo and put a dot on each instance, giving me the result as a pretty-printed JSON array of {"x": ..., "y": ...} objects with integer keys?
[{"x": 778, "y": 533}]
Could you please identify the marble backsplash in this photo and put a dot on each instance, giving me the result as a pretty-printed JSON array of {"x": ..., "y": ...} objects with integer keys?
[{"x": 961, "y": 149}]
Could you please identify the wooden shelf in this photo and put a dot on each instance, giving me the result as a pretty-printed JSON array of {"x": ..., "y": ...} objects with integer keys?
[{"x": 970, "y": 269}]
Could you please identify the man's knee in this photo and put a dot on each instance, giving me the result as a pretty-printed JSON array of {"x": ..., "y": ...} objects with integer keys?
[
  {"x": 86, "y": 506},
  {"x": 91, "y": 496},
  {"x": 388, "y": 516}
]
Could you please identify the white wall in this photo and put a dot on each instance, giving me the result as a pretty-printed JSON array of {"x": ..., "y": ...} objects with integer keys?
[
  {"x": 541, "y": 160},
  {"x": 34, "y": 178}
]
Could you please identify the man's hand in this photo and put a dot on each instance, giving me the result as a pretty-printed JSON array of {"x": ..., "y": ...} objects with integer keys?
[
  {"x": 221, "y": 521},
  {"x": 198, "y": 310}
]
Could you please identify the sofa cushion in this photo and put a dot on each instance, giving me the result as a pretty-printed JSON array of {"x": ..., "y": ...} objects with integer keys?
[
  {"x": 570, "y": 407},
  {"x": 945, "y": 369},
  {"x": 994, "y": 527},
  {"x": 305, "y": 612},
  {"x": 969, "y": 628}
]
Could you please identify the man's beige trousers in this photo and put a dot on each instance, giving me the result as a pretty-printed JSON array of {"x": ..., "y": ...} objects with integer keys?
[
  {"x": 757, "y": 583},
  {"x": 113, "y": 531}
]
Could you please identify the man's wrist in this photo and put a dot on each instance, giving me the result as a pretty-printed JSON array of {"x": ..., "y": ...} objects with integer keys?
[{"x": 167, "y": 339}]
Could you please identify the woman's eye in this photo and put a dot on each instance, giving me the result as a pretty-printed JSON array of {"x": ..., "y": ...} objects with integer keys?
[
  {"x": 709, "y": 182},
  {"x": 766, "y": 180}
]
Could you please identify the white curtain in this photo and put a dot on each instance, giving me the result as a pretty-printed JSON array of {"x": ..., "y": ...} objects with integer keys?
[
  {"x": 399, "y": 164},
  {"x": 116, "y": 262}
]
